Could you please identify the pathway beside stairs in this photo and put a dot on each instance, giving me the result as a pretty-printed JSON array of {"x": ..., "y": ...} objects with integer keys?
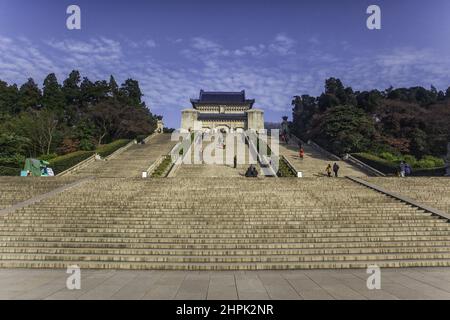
[{"x": 314, "y": 163}]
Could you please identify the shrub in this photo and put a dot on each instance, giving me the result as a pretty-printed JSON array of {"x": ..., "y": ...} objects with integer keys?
[
  {"x": 87, "y": 145},
  {"x": 15, "y": 161},
  {"x": 8, "y": 171},
  {"x": 161, "y": 170},
  {"x": 69, "y": 145},
  {"x": 284, "y": 170},
  {"x": 62, "y": 163},
  {"x": 411, "y": 160},
  {"x": 427, "y": 166},
  {"x": 388, "y": 156},
  {"x": 107, "y": 149},
  {"x": 437, "y": 162},
  {"x": 376, "y": 162},
  {"x": 140, "y": 138},
  {"x": 48, "y": 157}
]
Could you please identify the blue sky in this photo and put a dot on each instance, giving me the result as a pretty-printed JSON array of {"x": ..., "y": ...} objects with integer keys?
[{"x": 272, "y": 49}]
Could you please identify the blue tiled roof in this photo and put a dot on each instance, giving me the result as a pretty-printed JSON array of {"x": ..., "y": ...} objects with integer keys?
[
  {"x": 231, "y": 97},
  {"x": 215, "y": 97}
]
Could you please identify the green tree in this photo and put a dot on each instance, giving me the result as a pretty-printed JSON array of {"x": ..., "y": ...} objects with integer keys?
[
  {"x": 87, "y": 92},
  {"x": 39, "y": 127},
  {"x": 369, "y": 100},
  {"x": 419, "y": 145},
  {"x": 113, "y": 87},
  {"x": 304, "y": 108},
  {"x": 9, "y": 98},
  {"x": 29, "y": 95},
  {"x": 131, "y": 93},
  {"x": 71, "y": 89},
  {"x": 52, "y": 95},
  {"x": 344, "y": 129}
]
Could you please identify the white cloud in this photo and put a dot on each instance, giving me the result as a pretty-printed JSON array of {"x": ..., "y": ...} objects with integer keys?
[
  {"x": 283, "y": 44},
  {"x": 270, "y": 72},
  {"x": 150, "y": 43}
]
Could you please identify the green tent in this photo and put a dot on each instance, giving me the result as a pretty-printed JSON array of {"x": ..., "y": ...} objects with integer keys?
[{"x": 35, "y": 168}]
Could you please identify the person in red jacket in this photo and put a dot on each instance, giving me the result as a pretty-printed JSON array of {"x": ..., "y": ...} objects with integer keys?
[{"x": 301, "y": 153}]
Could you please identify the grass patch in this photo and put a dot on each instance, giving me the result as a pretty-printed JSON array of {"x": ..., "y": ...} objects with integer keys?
[
  {"x": 163, "y": 168},
  {"x": 284, "y": 171}
]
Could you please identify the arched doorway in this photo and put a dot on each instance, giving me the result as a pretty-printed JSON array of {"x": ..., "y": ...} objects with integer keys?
[{"x": 223, "y": 128}]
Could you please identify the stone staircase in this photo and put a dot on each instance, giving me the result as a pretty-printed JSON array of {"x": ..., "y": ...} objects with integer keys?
[
  {"x": 16, "y": 189},
  {"x": 214, "y": 170},
  {"x": 222, "y": 223},
  {"x": 432, "y": 191},
  {"x": 191, "y": 170},
  {"x": 132, "y": 162}
]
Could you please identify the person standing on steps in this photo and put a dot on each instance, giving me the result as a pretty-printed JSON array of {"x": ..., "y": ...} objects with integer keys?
[
  {"x": 402, "y": 169},
  {"x": 301, "y": 153},
  {"x": 328, "y": 170},
  {"x": 408, "y": 169},
  {"x": 335, "y": 169}
]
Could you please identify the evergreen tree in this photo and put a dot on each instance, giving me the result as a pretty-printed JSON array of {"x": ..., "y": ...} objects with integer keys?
[
  {"x": 70, "y": 88},
  {"x": 113, "y": 87},
  {"x": 87, "y": 92},
  {"x": 52, "y": 96},
  {"x": 131, "y": 93},
  {"x": 9, "y": 98},
  {"x": 29, "y": 95}
]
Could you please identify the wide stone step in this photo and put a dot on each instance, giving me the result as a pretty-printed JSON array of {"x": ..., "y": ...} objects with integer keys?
[
  {"x": 226, "y": 266},
  {"x": 206, "y": 231},
  {"x": 225, "y": 240},
  {"x": 186, "y": 234},
  {"x": 222, "y": 246},
  {"x": 211, "y": 214},
  {"x": 288, "y": 225},
  {"x": 212, "y": 251},
  {"x": 226, "y": 259}
]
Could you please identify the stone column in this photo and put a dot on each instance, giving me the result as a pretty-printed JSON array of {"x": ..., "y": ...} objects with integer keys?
[
  {"x": 188, "y": 119},
  {"x": 160, "y": 126},
  {"x": 255, "y": 119}
]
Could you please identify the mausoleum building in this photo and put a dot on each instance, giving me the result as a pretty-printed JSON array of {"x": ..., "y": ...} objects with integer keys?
[{"x": 224, "y": 111}]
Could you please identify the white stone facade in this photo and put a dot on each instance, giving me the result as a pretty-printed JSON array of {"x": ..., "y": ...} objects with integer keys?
[{"x": 224, "y": 111}]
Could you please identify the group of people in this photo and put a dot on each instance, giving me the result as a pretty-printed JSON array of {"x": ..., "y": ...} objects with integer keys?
[
  {"x": 405, "y": 169},
  {"x": 331, "y": 169},
  {"x": 251, "y": 172}
]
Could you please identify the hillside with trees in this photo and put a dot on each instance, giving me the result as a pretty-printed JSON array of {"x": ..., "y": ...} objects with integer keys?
[
  {"x": 410, "y": 124},
  {"x": 76, "y": 116}
]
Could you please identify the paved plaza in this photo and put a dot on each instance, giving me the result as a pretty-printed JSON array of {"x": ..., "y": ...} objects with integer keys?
[{"x": 407, "y": 283}]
